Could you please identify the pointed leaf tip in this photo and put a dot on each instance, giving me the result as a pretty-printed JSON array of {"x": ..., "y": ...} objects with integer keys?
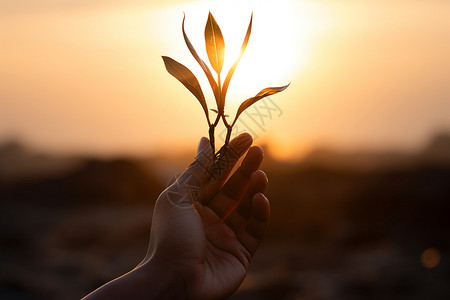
[
  {"x": 226, "y": 83},
  {"x": 272, "y": 90},
  {"x": 200, "y": 61},
  {"x": 262, "y": 94},
  {"x": 188, "y": 79},
  {"x": 215, "y": 44}
]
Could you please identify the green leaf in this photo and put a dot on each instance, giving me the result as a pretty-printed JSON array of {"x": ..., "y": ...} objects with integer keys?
[
  {"x": 215, "y": 45},
  {"x": 262, "y": 94},
  {"x": 202, "y": 64},
  {"x": 233, "y": 67},
  {"x": 188, "y": 79}
]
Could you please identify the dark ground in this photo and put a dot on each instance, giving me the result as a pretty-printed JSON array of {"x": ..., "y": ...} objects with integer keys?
[{"x": 343, "y": 225}]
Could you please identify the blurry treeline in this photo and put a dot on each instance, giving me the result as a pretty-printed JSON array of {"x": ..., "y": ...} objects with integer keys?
[{"x": 343, "y": 226}]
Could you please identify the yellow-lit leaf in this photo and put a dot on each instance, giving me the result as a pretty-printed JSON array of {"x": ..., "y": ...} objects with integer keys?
[
  {"x": 215, "y": 45},
  {"x": 202, "y": 64},
  {"x": 188, "y": 79},
  {"x": 262, "y": 94},
  {"x": 233, "y": 67}
]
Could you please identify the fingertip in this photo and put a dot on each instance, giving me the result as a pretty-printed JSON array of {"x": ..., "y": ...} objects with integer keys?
[
  {"x": 261, "y": 207},
  {"x": 241, "y": 143},
  {"x": 258, "y": 181},
  {"x": 260, "y": 175},
  {"x": 202, "y": 144},
  {"x": 243, "y": 136},
  {"x": 257, "y": 149},
  {"x": 252, "y": 160},
  {"x": 204, "y": 138},
  {"x": 256, "y": 152}
]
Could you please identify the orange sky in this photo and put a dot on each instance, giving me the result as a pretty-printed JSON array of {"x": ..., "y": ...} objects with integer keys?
[{"x": 87, "y": 76}]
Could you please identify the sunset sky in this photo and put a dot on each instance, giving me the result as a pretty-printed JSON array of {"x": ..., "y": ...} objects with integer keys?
[{"x": 79, "y": 76}]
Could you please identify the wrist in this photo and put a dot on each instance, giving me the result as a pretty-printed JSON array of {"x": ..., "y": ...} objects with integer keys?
[
  {"x": 151, "y": 280},
  {"x": 159, "y": 281}
]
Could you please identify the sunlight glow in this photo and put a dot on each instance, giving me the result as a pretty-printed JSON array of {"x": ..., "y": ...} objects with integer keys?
[
  {"x": 364, "y": 73},
  {"x": 280, "y": 45}
]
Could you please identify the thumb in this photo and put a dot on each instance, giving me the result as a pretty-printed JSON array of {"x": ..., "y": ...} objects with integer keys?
[
  {"x": 203, "y": 162},
  {"x": 204, "y": 147},
  {"x": 186, "y": 189},
  {"x": 203, "y": 152}
]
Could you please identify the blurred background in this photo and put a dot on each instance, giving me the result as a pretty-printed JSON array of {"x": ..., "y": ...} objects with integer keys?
[{"x": 357, "y": 149}]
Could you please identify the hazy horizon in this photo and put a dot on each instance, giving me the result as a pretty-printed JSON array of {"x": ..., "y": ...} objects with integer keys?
[{"x": 83, "y": 76}]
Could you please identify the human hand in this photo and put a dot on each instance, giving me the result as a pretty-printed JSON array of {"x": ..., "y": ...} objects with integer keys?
[{"x": 205, "y": 230}]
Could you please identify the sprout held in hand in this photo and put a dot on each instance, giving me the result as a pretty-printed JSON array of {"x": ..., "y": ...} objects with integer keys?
[{"x": 215, "y": 48}]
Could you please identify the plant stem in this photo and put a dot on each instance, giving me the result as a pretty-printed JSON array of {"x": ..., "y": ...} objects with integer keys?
[
  {"x": 212, "y": 128},
  {"x": 211, "y": 138},
  {"x": 224, "y": 148},
  {"x": 220, "y": 113},
  {"x": 227, "y": 139}
]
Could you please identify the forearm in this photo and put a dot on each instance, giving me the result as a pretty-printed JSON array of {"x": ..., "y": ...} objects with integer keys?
[{"x": 150, "y": 281}]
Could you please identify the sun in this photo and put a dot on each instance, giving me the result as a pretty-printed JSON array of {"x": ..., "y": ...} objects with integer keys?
[{"x": 278, "y": 50}]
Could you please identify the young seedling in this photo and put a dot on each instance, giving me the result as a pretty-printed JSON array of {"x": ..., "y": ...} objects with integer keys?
[{"x": 215, "y": 48}]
